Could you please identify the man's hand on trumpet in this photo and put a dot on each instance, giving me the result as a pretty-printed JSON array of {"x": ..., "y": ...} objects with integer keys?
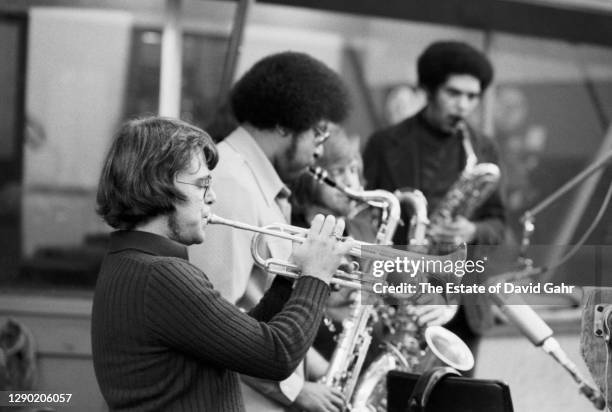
[{"x": 321, "y": 253}]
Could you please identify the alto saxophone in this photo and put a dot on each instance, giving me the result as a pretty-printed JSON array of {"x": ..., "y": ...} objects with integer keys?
[
  {"x": 353, "y": 343},
  {"x": 405, "y": 345}
]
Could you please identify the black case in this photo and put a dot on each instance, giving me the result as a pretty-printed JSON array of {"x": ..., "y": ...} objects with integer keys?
[{"x": 452, "y": 394}]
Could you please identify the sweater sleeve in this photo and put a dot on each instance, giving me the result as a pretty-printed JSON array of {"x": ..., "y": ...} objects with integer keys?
[
  {"x": 274, "y": 299},
  {"x": 184, "y": 312}
]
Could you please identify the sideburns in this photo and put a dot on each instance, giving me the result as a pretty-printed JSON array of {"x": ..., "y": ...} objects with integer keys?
[
  {"x": 173, "y": 227},
  {"x": 293, "y": 148}
]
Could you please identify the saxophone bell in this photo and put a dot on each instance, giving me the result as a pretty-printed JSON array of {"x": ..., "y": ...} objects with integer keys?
[{"x": 449, "y": 348}]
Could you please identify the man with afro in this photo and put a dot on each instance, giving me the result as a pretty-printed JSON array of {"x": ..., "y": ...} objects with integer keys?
[
  {"x": 284, "y": 106},
  {"x": 429, "y": 151}
]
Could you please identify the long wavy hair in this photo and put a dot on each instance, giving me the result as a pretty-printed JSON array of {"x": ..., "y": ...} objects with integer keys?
[{"x": 137, "y": 180}]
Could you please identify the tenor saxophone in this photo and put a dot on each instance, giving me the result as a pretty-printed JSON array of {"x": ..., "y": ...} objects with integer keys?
[{"x": 474, "y": 186}]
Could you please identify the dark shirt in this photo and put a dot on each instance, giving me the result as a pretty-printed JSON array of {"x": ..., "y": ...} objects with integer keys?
[
  {"x": 164, "y": 339},
  {"x": 414, "y": 154},
  {"x": 441, "y": 157}
]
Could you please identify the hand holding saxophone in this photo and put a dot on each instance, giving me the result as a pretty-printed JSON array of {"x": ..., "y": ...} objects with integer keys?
[
  {"x": 320, "y": 397},
  {"x": 456, "y": 231},
  {"x": 321, "y": 253},
  {"x": 433, "y": 314}
]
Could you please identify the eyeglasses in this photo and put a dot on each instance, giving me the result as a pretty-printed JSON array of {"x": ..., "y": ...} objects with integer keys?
[
  {"x": 321, "y": 134},
  {"x": 203, "y": 185}
]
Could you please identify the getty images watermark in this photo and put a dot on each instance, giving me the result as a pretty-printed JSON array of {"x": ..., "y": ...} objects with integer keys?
[{"x": 416, "y": 275}]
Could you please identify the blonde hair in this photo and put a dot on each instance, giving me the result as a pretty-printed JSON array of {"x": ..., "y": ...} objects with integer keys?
[{"x": 338, "y": 151}]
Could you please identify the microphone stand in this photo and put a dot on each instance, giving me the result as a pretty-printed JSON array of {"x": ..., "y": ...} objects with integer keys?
[
  {"x": 522, "y": 315},
  {"x": 528, "y": 218},
  {"x": 540, "y": 335}
]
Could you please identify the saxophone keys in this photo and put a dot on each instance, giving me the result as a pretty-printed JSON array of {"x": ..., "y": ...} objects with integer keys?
[{"x": 329, "y": 324}]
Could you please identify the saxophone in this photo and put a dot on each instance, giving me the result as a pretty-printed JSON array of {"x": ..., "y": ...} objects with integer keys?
[
  {"x": 404, "y": 349},
  {"x": 475, "y": 184},
  {"x": 353, "y": 343},
  {"x": 472, "y": 188},
  {"x": 406, "y": 346}
]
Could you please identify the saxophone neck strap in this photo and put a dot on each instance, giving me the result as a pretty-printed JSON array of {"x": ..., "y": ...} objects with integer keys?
[{"x": 426, "y": 383}]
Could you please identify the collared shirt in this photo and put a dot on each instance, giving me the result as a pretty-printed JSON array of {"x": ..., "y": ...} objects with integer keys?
[
  {"x": 282, "y": 200},
  {"x": 146, "y": 242},
  {"x": 247, "y": 188}
]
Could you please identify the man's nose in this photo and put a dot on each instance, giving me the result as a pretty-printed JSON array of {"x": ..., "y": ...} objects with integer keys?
[
  {"x": 210, "y": 197},
  {"x": 463, "y": 102}
]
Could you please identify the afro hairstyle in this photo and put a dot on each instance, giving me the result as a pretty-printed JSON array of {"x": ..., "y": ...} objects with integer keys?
[
  {"x": 444, "y": 58},
  {"x": 289, "y": 90}
]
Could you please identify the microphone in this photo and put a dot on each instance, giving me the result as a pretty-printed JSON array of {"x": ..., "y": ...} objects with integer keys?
[
  {"x": 524, "y": 318},
  {"x": 541, "y": 335}
]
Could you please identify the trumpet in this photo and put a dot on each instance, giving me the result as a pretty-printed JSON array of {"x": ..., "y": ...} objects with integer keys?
[{"x": 354, "y": 278}]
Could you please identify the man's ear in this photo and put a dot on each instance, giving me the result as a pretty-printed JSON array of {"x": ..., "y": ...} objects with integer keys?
[{"x": 282, "y": 131}]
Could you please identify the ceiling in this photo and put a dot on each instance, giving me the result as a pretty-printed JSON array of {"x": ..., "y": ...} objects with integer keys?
[{"x": 580, "y": 21}]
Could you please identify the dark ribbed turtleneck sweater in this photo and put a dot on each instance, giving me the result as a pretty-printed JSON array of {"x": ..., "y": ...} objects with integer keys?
[{"x": 164, "y": 340}]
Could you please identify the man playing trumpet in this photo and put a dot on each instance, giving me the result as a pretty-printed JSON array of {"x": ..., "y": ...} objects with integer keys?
[
  {"x": 283, "y": 105},
  {"x": 162, "y": 337}
]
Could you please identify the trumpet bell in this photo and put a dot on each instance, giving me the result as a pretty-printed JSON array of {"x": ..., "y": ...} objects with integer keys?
[{"x": 449, "y": 348}]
